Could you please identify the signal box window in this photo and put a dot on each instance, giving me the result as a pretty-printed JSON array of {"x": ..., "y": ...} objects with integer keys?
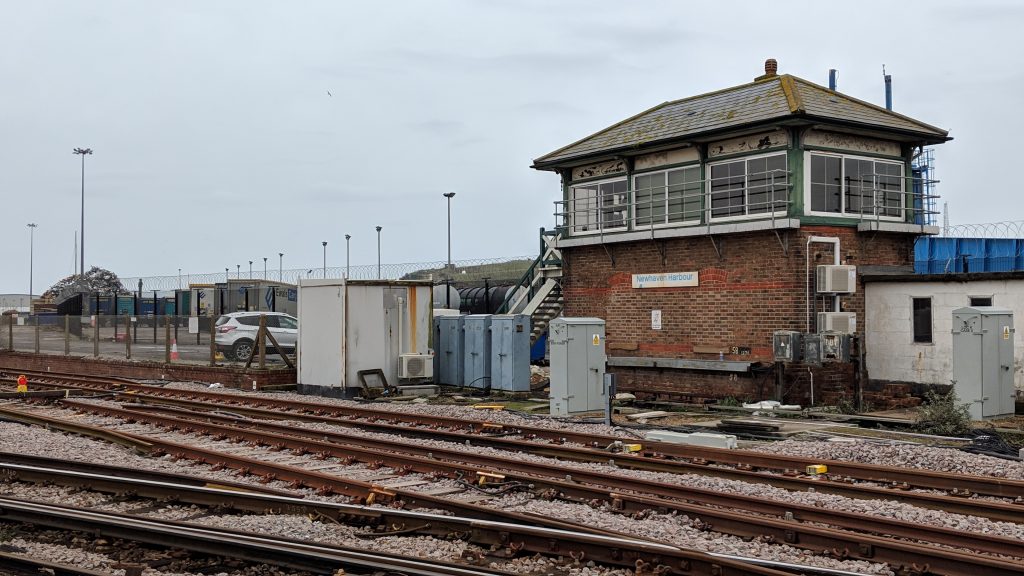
[{"x": 922, "y": 316}]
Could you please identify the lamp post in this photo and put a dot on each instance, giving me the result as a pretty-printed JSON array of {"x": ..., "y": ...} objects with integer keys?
[
  {"x": 238, "y": 271},
  {"x": 325, "y": 258},
  {"x": 226, "y": 276},
  {"x": 250, "y": 269},
  {"x": 448, "y": 270},
  {"x": 31, "y": 258},
  {"x": 348, "y": 238},
  {"x": 179, "y": 278},
  {"x": 280, "y": 266},
  {"x": 264, "y": 267},
  {"x": 378, "y": 252},
  {"x": 81, "y": 250}
]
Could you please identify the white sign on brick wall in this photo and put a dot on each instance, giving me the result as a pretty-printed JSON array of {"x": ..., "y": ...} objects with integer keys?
[
  {"x": 655, "y": 319},
  {"x": 665, "y": 280}
]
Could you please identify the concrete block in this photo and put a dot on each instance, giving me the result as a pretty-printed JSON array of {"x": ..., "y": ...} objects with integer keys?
[
  {"x": 419, "y": 390},
  {"x": 706, "y": 439}
]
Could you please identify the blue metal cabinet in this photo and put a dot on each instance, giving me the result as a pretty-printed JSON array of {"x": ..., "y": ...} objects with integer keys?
[
  {"x": 510, "y": 352},
  {"x": 477, "y": 366}
]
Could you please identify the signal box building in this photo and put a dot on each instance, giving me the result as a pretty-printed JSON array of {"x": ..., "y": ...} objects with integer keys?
[{"x": 695, "y": 228}]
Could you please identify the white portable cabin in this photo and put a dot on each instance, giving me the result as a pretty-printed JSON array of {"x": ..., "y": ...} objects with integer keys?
[{"x": 354, "y": 325}]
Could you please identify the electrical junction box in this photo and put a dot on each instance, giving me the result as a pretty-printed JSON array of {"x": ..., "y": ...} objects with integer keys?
[
  {"x": 577, "y": 365},
  {"x": 450, "y": 344},
  {"x": 836, "y": 279},
  {"x": 510, "y": 352},
  {"x": 787, "y": 346},
  {"x": 477, "y": 354},
  {"x": 835, "y": 347},
  {"x": 844, "y": 322},
  {"x": 812, "y": 349},
  {"x": 983, "y": 364}
]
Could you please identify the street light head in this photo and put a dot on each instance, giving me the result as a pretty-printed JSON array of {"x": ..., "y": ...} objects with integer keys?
[
  {"x": 449, "y": 195},
  {"x": 264, "y": 258},
  {"x": 250, "y": 262},
  {"x": 82, "y": 151},
  {"x": 379, "y": 228},
  {"x": 348, "y": 236},
  {"x": 32, "y": 225},
  {"x": 324, "y": 243},
  {"x": 280, "y": 254}
]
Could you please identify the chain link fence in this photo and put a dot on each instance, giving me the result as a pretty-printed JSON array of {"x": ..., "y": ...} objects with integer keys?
[
  {"x": 163, "y": 339},
  {"x": 469, "y": 272}
]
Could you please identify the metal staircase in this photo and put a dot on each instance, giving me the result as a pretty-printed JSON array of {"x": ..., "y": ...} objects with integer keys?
[{"x": 539, "y": 291}]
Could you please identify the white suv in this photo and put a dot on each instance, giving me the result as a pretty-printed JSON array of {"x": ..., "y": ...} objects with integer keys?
[{"x": 236, "y": 332}]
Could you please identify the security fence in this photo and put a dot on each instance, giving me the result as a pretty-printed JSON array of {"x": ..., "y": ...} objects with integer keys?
[
  {"x": 508, "y": 268},
  {"x": 156, "y": 338}
]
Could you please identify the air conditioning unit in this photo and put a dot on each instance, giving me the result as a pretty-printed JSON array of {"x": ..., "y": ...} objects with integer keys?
[
  {"x": 836, "y": 279},
  {"x": 842, "y": 322},
  {"x": 414, "y": 366}
]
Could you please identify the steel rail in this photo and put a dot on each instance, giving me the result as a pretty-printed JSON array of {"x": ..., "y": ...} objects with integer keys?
[
  {"x": 957, "y": 484},
  {"x": 35, "y": 566},
  {"x": 193, "y": 492},
  {"x": 671, "y": 497},
  {"x": 129, "y": 474},
  {"x": 626, "y": 553},
  {"x": 278, "y": 551},
  {"x": 995, "y": 510}
]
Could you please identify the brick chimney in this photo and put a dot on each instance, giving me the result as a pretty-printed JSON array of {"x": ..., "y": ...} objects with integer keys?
[{"x": 771, "y": 68}]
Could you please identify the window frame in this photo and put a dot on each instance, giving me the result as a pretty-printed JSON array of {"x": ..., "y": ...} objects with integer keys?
[
  {"x": 709, "y": 209},
  {"x": 599, "y": 227},
  {"x": 808, "y": 184},
  {"x": 990, "y": 297},
  {"x": 913, "y": 321},
  {"x": 698, "y": 186}
]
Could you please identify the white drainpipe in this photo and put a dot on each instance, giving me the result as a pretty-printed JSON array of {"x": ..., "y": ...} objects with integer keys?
[{"x": 807, "y": 271}]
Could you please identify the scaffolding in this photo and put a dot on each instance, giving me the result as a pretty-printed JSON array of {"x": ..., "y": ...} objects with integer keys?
[{"x": 923, "y": 168}]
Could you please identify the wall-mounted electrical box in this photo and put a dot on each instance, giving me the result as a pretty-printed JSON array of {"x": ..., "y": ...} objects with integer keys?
[
  {"x": 787, "y": 346},
  {"x": 836, "y": 279},
  {"x": 835, "y": 347},
  {"x": 812, "y": 349},
  {"x": 844, "y": 322}
]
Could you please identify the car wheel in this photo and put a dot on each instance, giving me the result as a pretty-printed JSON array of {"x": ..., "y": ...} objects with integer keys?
[{"x": 241, "y": 350}]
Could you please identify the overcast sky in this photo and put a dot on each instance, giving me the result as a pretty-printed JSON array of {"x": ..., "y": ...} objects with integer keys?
[{"x": 216, "y": 141}]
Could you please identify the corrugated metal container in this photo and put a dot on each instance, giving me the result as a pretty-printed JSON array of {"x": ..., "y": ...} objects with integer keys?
[
  {"x": 346, "y": 327},
  {"x": 477, "y": 355},
  {"x": 449, "y": 350},
  {"x": 947, "y": 255},
  {"x": 510, "y": 352}
]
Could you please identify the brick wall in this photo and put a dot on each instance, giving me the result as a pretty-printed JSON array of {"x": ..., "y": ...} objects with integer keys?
[
  {"x": 752, "y": 290},
  {"x": 227, "y": 376}
]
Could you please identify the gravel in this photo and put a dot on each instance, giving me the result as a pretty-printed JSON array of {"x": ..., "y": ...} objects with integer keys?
[
  {"x": 901, "y": 456},
  {"x": 678, "y": 530}
]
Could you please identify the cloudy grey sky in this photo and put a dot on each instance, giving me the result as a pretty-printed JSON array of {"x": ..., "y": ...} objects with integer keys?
[{"x": 216, "y": 141}]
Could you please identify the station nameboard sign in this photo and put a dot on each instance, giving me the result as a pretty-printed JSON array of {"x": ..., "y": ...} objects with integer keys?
[{"x": 665, "y": 280}]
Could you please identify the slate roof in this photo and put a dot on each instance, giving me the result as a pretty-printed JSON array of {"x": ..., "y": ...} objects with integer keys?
[{"x": 767, "y": 98}]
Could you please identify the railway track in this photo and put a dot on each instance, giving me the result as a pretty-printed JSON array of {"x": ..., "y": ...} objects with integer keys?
[
  {"x": 657, "y": 456},
  {"x": 381, "y": 520},
  {"x": 757, "y": 519},
  {"x": 256, "y": 548}
]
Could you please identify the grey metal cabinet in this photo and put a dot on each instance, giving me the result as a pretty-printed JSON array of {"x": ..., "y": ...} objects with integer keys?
[
  {"x": 510, "y": 352},
  {"x": 477, "y": 355},
  {"x": 983, "y": 370},
  {"x": 577, "y": 351},
  {"x": 451, "y": 344}
]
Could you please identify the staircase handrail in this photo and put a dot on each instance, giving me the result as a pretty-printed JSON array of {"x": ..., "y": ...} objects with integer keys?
[{"x": 528, "y": 277}]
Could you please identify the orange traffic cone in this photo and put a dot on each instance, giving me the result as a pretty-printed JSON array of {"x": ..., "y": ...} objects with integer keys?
[{"x": 174, "y": 350}]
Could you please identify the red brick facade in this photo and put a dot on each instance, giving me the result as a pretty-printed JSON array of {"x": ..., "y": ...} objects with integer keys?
[{"x": 752, "y": 290}]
